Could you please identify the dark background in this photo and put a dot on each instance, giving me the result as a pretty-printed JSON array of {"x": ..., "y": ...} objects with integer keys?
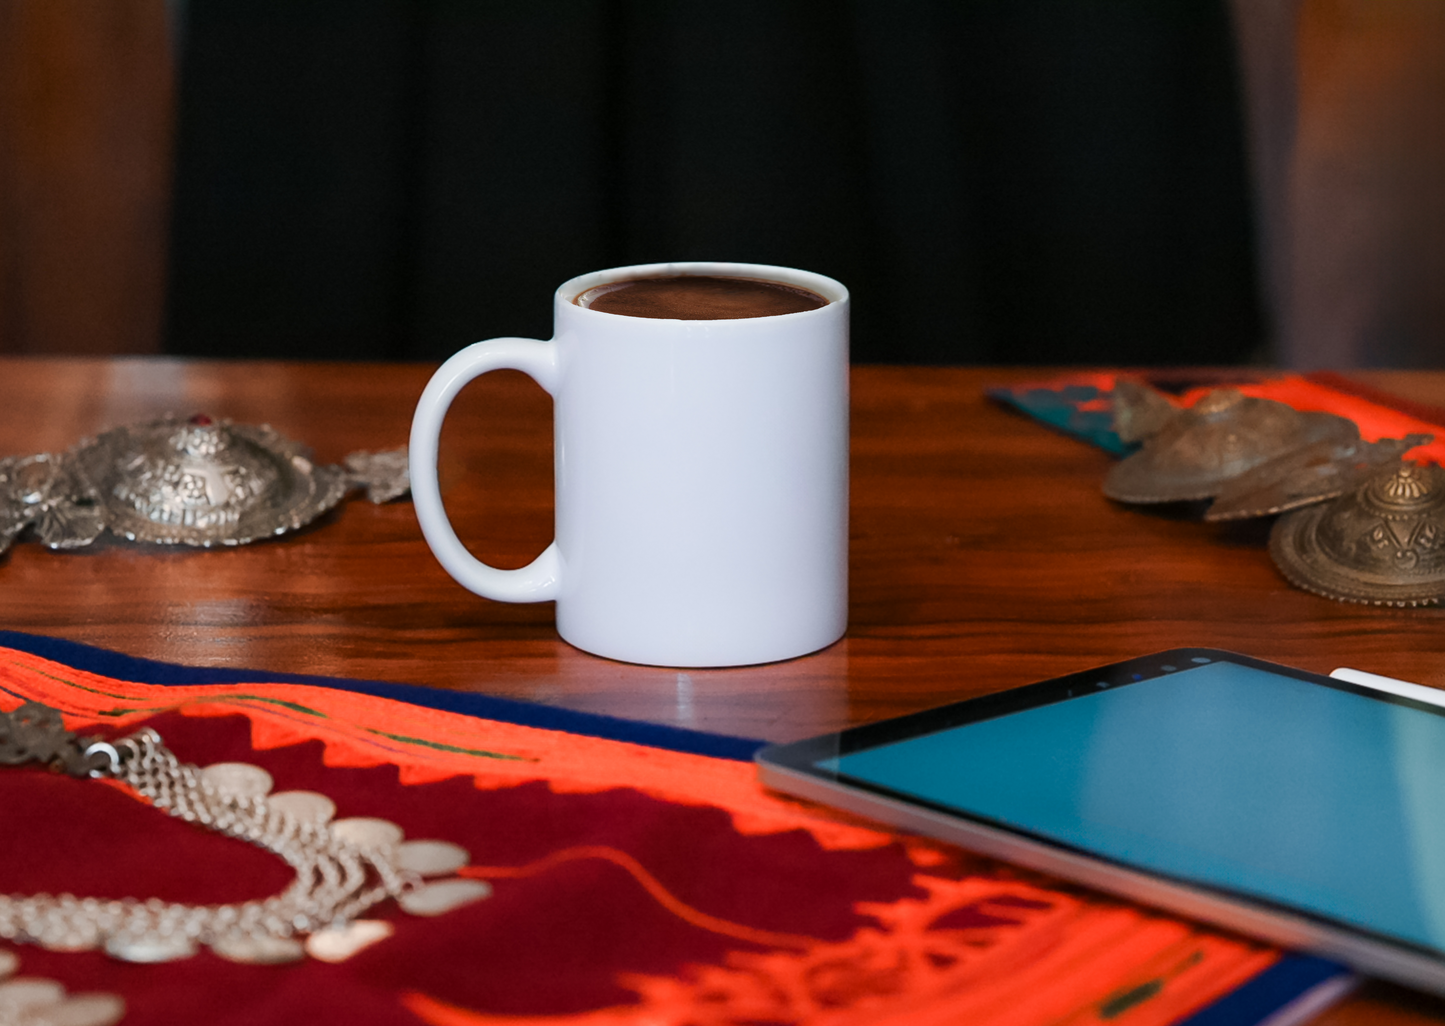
[{"x": 997, "y": 181}]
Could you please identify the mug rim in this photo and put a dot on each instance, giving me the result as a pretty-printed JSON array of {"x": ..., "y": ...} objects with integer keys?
[{"x": 834, "y": 291}]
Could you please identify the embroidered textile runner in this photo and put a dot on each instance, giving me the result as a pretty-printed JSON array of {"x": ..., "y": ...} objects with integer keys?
[
  {"x": 632, "y": 883},
  {"x": 1080, "y": 404}
]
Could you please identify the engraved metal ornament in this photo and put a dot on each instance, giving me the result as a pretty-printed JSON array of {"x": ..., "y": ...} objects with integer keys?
[
  {"x": 385, "y": 475},
  {"x": 43, "y": 490},
  {"x": 175, "y": 481},
  {"x": 1140, "y": 412},
  {"x": 1305, "y": 476},
  {"x": 1382, "y": 544},
  {"x": 36, "y": 733},
  {"x": 203, "y": 482},
  {"x": 1220, "y": 437}
]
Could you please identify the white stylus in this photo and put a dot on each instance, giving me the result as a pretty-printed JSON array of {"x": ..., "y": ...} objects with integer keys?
[{"x": 1403, "y": 688}]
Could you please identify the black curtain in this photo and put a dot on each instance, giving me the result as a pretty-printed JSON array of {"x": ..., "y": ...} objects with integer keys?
[{"x": 1001, "y": 181}]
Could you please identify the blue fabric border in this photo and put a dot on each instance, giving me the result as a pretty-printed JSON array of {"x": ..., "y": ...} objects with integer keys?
[
  {"x": 1290, "y": 978},
  {"x": 528, "y": 714}
]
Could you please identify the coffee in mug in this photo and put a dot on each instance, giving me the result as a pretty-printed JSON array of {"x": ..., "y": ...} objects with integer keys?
[
  {"x": 699, "y": 297},
  {"x": 701, "y": 428}
]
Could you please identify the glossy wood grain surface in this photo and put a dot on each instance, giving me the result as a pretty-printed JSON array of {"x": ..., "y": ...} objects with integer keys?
[{"x": 983, "y": 557}]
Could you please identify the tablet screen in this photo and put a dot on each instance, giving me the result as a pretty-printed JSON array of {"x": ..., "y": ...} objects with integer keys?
[{"x": 1219, "y": 774}]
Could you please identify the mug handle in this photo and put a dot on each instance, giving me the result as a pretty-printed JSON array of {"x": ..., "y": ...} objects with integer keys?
[{"x": 538, "y": 580}]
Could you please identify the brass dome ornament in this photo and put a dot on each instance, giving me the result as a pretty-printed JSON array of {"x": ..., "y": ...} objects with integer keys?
[
  {"x": 175, "y": 481},
  {"x": 1356, "y": 523},
  {"x": 1220, "y": 437},
  {"x": 1382, "y": 544},
  {"x": 1140, "y": 412},
  {"x": 1305, "y": 476}
]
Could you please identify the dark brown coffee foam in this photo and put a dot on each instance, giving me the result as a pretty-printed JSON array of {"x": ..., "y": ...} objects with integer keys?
[{"x": 697, "y": 297}]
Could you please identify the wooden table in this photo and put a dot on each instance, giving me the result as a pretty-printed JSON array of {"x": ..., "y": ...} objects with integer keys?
[{"x": 983, "y": 557}]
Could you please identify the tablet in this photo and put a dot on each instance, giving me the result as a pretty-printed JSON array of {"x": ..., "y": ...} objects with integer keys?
[{"x": 1300, "y": 809}]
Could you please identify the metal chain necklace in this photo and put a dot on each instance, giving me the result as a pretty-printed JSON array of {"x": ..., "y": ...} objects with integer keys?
[{"x": 342, "y": 868}]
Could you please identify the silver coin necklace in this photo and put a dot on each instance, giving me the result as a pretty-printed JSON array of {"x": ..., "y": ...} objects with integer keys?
[{"x": 343, "y": 867}]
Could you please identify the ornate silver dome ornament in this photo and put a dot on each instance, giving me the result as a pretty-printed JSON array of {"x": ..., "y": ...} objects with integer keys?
[
  {"x": 1312, "y": 474},
  {"x": 1383, "y": 543},
  {"x": 175, "y": 481},
  {"x": 44, "y": 491},
  {"x": 204, "y": 482},
  {"x": 1220, "y": 437}
]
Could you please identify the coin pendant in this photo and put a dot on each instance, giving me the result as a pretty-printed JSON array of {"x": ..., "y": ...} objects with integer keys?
[
  {"x": 431, "y": 858},
  {"x": 304, "y": 806},
  {"x": 338, "y": 943},
  {"x": 259, "y": 949},
  {"x": 167, "y": 948},
  {"x": 9, "y": 962},
  {"x": 433, "y": 899},
  {"x": 25, "y": 992},
  {"x": 81, "y": 1010},
  {"x": 238, "y": 778},
  {"x": 367, "y": 832}
]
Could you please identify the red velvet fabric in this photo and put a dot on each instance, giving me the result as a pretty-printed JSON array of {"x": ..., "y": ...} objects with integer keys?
[{"x": 549, "y": 944}]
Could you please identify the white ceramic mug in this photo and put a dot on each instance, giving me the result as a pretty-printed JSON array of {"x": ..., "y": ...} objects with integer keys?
[{"x": 701, "y": 475}]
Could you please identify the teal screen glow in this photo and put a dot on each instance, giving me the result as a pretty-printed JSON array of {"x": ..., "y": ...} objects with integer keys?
[{"x": 1220, "y": 774}]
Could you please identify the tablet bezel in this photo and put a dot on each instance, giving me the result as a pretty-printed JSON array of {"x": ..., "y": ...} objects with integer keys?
[{"x": 792, "y": 768}]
